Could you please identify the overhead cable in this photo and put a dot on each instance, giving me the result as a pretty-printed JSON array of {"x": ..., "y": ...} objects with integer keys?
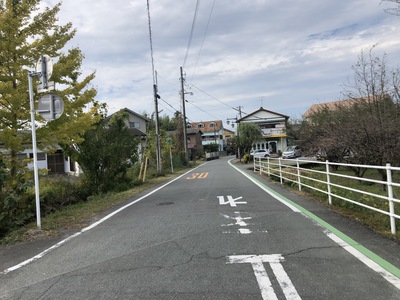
[
  {"x": 202, "y": 42},
  {"x": 191, "y": 32}
]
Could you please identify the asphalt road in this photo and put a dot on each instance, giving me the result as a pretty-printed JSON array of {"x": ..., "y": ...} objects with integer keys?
[{"x": 212, "y": 234}]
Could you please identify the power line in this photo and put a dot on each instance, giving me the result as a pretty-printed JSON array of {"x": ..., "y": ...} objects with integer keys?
[
  {"x": 213, "y": 97},
  {"x": 204, "y": 37},
  {"x": 169, "y": 105},
  {"x": 203, "y": 111},
  {"x": 191, "y": 32}
]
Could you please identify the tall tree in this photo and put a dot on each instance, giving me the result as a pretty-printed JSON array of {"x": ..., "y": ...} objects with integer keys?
[
  {"x": 107, "y": 152},
  {"x": 26, "y": 33},
  {"x": 248, "y": 134}
]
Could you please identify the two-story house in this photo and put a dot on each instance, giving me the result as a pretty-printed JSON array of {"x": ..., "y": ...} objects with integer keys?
[
  {"x": 58, "y": 163},
  {"x": 138, "y": 124},
  {"x": 273, "y": 128},
  {"x": 212, "y": 132}
]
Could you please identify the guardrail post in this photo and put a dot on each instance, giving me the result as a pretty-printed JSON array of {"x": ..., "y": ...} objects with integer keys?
[
  {"x": 390, "y": 199},
  {"x": 328, "y": 182},
  {"x": 268, "y": 171},
  {"x": 298, "y": 173},
  {"x": 261, "y": 165},
  {"x": 280, "y": 170}
]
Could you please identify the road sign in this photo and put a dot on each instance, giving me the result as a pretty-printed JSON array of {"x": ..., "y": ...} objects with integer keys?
[
  {"x": 50, "y": 87},
  {"x": 50, "y": 106},
  {"x": 44, "y": 66}
]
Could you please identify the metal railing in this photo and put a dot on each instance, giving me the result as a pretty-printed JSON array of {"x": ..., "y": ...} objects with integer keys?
[{"x": 325, "y": 178}]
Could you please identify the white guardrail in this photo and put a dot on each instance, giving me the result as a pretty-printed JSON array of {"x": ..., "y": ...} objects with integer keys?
[{"x": 291, "y": 170}]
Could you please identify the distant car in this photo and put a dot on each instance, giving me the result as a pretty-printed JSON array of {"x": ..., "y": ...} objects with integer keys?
[
  {"x": 260, "y": 153},
  {"x": 291, "y": 152}
]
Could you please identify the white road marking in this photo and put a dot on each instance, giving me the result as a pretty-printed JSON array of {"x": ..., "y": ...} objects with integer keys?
[
  {"x": 261, "y": 186},
  {"x": 367, "y": 261},
  {"x": 231, "y": 201},
  {"x": 371, "y": 263},
  {"x": 43, "y": 253},
  {"x": 244, "y": 230},
  {"x": 240, "y": 221},
  {"x": 238, "y": 218},
  {"x": 264, "y": 283}
]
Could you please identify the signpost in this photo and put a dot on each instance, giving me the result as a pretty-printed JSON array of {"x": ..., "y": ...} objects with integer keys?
[{"x": 50, "y": 108}]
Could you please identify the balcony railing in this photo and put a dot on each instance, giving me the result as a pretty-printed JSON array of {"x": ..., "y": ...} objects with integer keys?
[{"x": 273, "y": 131}]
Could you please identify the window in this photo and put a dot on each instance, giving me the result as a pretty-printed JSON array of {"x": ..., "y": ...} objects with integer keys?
[
  {"x": 134, "y": 125},
  {"x": 189, "y": 126},
  {"x": 201, "y": 125},
  {"x": 40, "y": 156},
  {"x": 212, "y": 124}
]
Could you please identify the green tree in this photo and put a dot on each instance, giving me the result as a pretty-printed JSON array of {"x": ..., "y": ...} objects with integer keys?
[
  {"x": 106, "y": 153},
  {"x": 25, "y": 35},
  {"x": 248, "y": 134}
]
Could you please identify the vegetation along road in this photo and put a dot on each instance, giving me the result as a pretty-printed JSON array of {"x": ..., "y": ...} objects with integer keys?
[{"x": 218, "y": 231}]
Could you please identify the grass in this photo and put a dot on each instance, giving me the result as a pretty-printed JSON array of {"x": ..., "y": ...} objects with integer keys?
[{"x": 75, "y": 217}]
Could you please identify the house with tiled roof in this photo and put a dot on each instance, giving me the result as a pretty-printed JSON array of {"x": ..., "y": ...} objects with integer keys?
[
  {"x": 273, "y": 128},
  {"x": 331, "y": 106},
  {"x": 212, "y": 132}
]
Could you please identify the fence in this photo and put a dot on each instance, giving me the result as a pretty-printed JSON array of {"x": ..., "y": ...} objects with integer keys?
[{"x": 324, "y": 177}]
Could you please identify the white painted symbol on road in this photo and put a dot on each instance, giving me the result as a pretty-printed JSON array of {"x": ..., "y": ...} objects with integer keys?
[
  {"x": 239, "y": 221},
  {"x": 231, "y": 201},
  {"x": 264, "y": 283},
  {"x": 238, "y": 218}
]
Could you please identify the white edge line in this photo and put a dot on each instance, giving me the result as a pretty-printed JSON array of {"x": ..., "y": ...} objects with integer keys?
[
  {"x": 366, "y": 260},
  {"x": 43, "y": 253},
  {"x": 293, "y": 208},
  {"x": 353, "y": 251}
]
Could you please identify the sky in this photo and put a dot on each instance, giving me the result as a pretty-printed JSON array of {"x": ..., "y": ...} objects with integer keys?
[{"x": 283, "y": 55}]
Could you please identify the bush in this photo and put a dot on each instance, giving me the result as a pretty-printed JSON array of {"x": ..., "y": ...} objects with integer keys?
[
  {"x": 211, "y": 147},
  {"x": 17, "y": 205},
  {"x": 60, "y": 191}
]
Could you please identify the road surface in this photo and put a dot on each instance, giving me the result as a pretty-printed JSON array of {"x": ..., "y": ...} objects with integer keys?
[{"x": 219, "y": 231}]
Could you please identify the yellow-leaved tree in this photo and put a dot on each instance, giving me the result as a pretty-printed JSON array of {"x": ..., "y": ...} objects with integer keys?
[{"x": 26, "y": 33}]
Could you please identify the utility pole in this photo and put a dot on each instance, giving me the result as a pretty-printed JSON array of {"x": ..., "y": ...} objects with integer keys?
[
  {"x": 158, "y": 150},
  {"x": 238, "y": 124},
  {"x": 240, "y": 111},
  {"x": 184, "y": 118}
]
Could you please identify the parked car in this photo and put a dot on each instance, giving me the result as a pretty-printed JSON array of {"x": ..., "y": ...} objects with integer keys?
[
  {"x": 260, "y": 153},
  {"x": 291, "y": 152}
]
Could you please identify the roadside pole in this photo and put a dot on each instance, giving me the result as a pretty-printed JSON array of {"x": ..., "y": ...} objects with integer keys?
[
  {"x": 35, "y": 166},
  {"x": 50, "y": 107}
]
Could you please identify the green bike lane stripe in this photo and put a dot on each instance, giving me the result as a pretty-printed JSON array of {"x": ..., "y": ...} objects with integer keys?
[{"x": 368, "y": 257}]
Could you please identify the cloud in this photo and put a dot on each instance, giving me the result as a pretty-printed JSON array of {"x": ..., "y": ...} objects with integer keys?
[{"x": 283, "y": 55}]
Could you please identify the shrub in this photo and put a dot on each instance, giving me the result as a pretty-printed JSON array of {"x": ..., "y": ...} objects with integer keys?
[
  {"x": 60, "y": 191},
  {"x": 17, "y": 205},
  {"x": 211, "y": 147}
]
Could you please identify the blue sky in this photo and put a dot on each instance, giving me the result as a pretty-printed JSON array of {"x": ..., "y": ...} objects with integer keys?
[{"x": 281, "y": 55}]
